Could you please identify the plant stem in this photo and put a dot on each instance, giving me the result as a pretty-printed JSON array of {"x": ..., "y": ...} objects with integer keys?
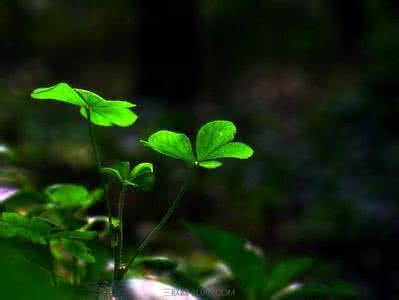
[
  {"x": 118, "y": 255},
  {"x": 163, "y": 221},
  {"x": 103, "y": 183},
  {"x": 93, "y": 140}
]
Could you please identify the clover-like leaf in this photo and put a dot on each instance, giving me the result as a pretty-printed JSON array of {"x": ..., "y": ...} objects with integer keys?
[
  {"x": 102, "y": 112},
  {"x": 212, "y": 136},
  {"x": 72, "y": 195},
  {"x": 214, "y": 141},
  {"x": 173, "y": 144},
  {"x": 15, "y": 225}
]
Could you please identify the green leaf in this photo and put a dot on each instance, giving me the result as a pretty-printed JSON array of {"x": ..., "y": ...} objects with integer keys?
[
  {"x": 102, "y": 112},
  {"x": 247, "y": 265},
  {"x": 68, "y": 195},
  {"x": 60, "y": 92},
  {"x": 75, "y": 235},
  {"x": 214, "y": 142},
  {"x": 107, "y": 112},
  {"x": 78, "y": 249},
  {"x": 142, "y": 176},
  {"x": 15, "y": 225},
  {"x": 120, "y": 170},
  {"x": 212, "y": 136},
  {"x": 284, "y": 272},
  {"x": 210, "y": 164},
  {"x": 232, "y": 150},
  {"x": 169, "y": 143}
]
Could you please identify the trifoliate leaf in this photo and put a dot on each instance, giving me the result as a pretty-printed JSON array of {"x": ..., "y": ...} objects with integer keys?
[
  {"x": 102, "y": 112},
  {"x": 173, "y": 144},
  {"x": 214, "y": 141}
]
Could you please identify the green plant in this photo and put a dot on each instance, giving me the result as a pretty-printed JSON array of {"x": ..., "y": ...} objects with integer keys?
[
  {"x": 57, "y": 219},
  {"x": 214, "y": 141}
]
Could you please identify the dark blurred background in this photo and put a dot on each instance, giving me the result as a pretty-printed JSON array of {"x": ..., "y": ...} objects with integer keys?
[{"x": 311, "y": 85}]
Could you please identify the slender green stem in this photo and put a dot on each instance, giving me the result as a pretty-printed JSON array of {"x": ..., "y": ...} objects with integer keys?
[
  {"x": 93, "y": 140},
  {"x": 157, "y": 228},
  {"x": 105, "y": 187},
  {"x": 119, "y": 253}
]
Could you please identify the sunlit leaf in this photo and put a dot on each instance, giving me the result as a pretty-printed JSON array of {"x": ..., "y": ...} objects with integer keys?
[
  {"x": 214, "y": 141},
  {"x": 169, "y": 143},
  {"x": 102, "y": 112},
  {"x": 107, "y": 112},
  {"x": 212, "y": 136},
  {"x": 232, "y": 150},
  {"x": 60, "y": 92},
  {"x": 247, "y": 265}
]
